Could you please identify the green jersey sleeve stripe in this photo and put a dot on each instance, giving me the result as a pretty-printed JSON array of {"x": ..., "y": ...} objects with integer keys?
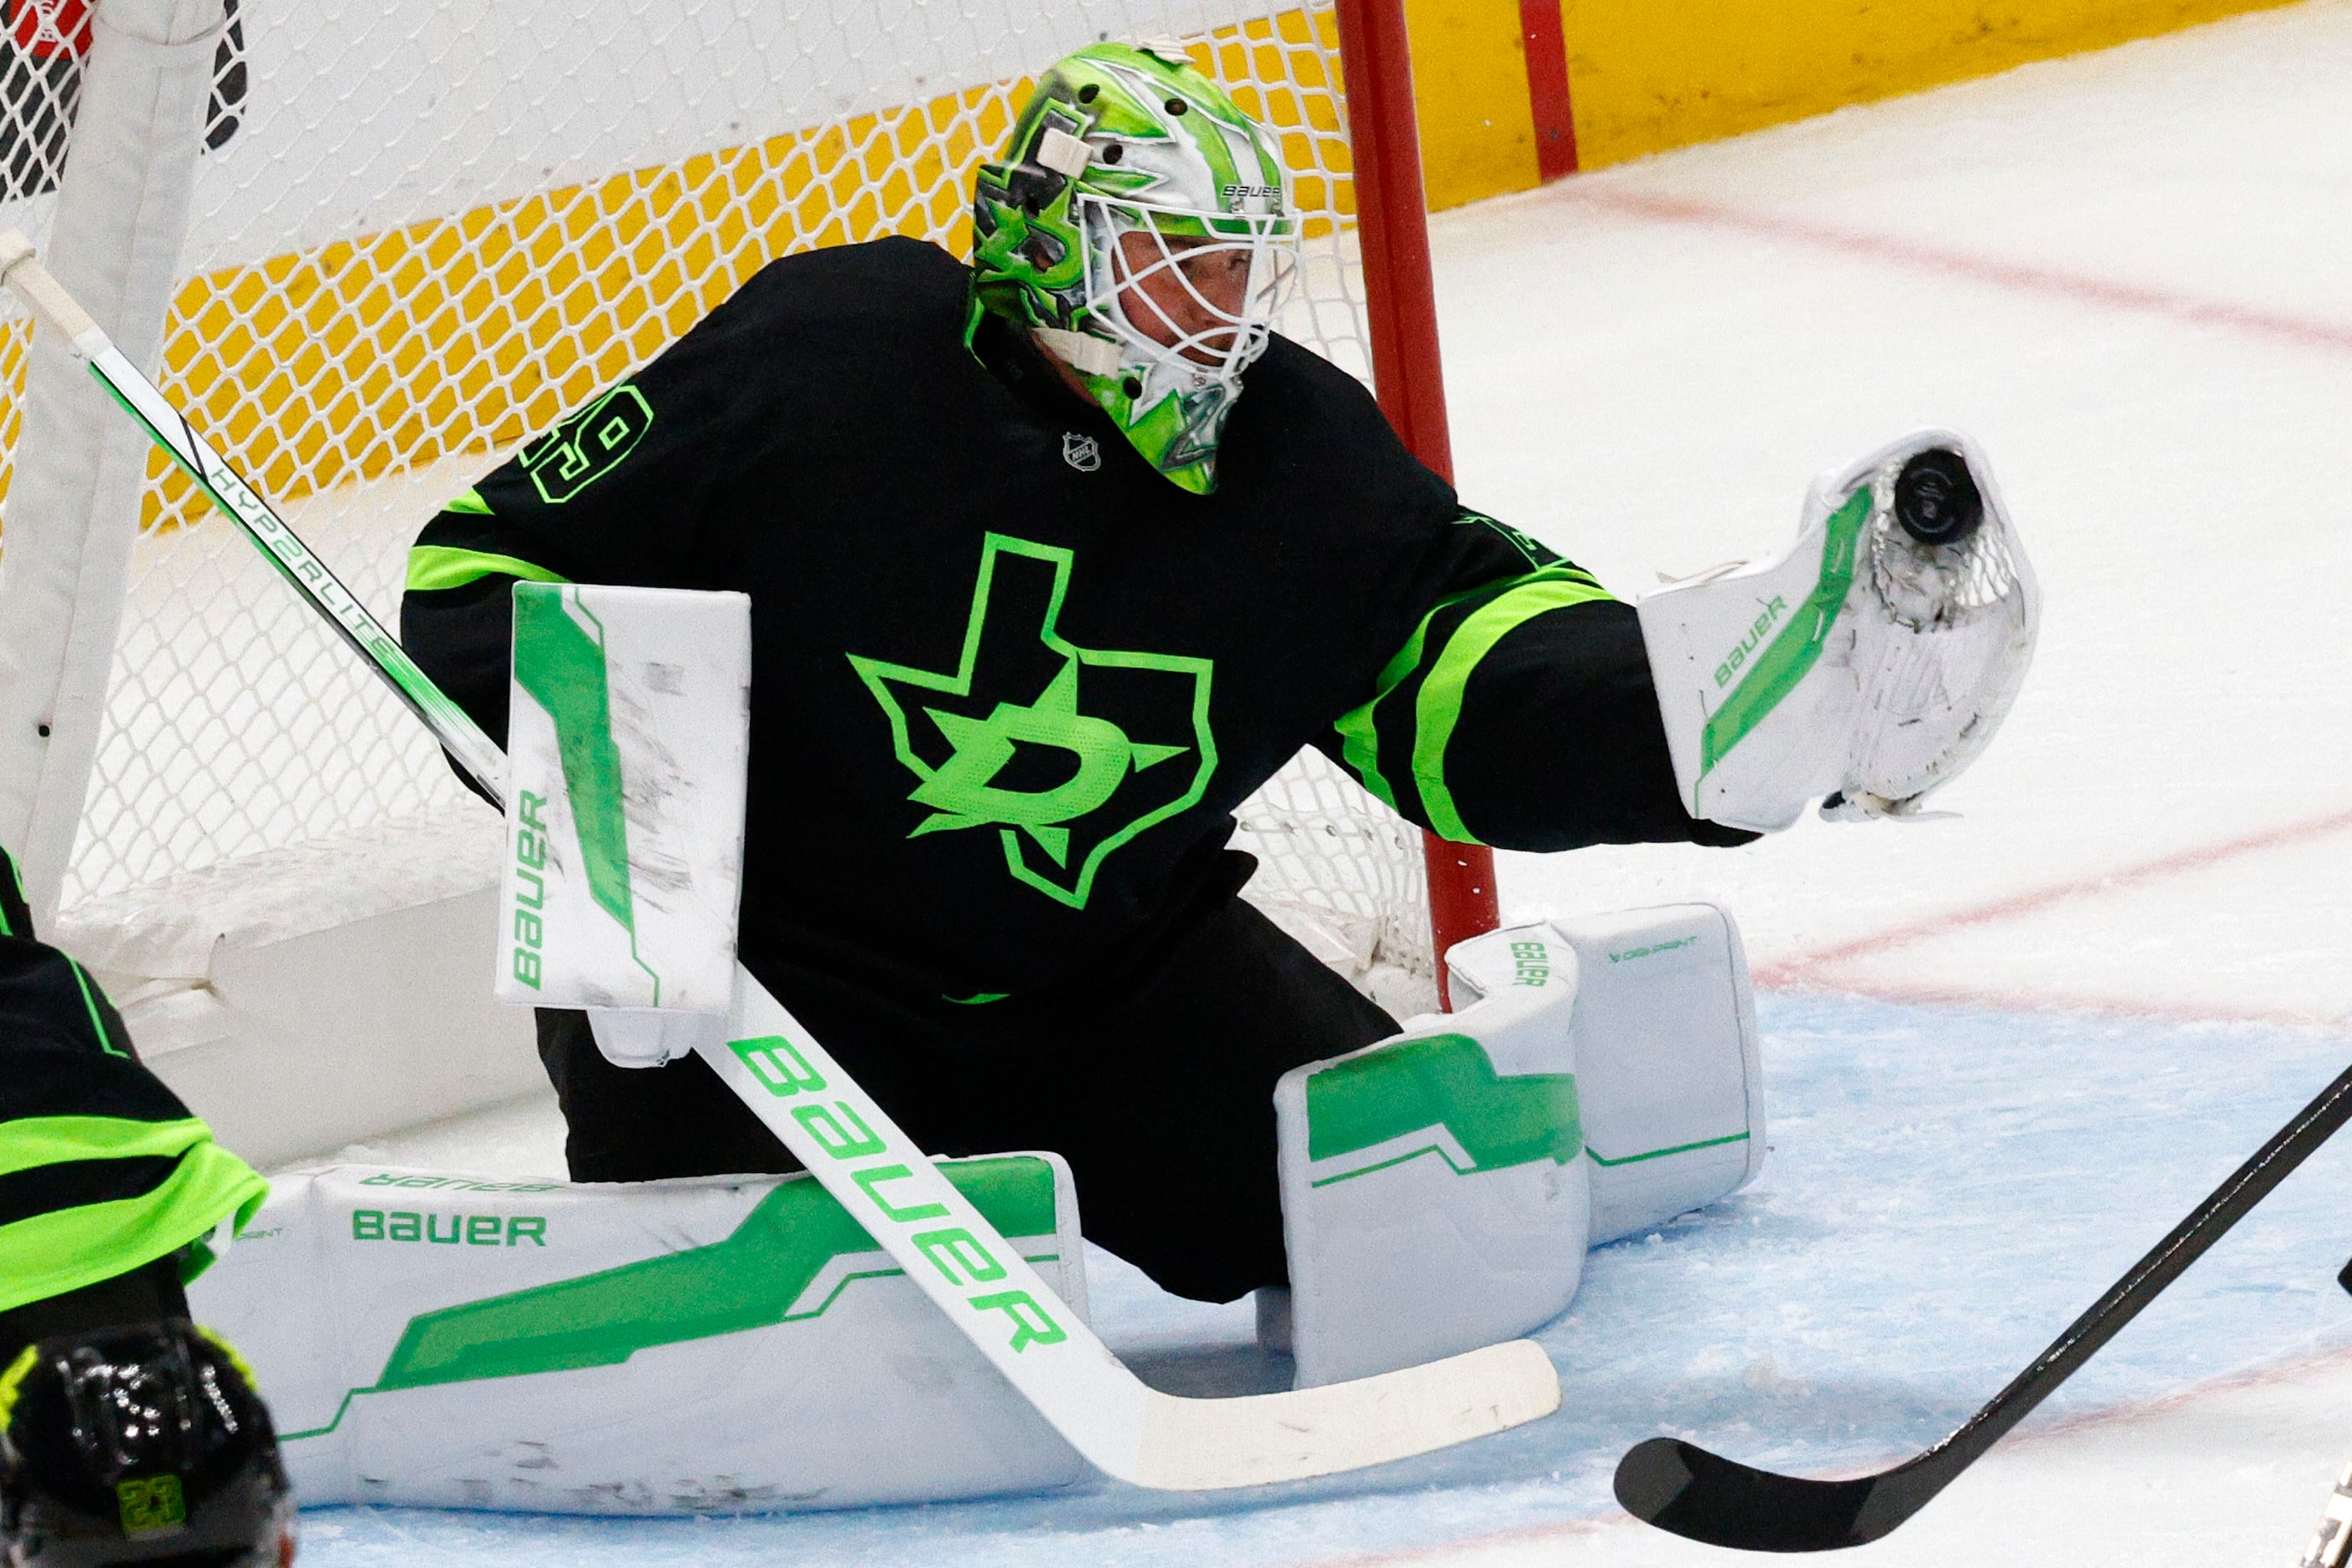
[
  {"x": 13, "y": 1380},
  {"x": 15, "y": 887},
  {"x": 470, "y": 504},
  {"x": 30, "y": 1142},
  {"x": 1359, "y": 735},
  {"x": 1438, "y": 707},
  {"x": 96, "y": 1019},
  {"x": 64, "y": 1250},
  {"x": 1358, "y": 728},
  {"x": 434, "y": 566}
]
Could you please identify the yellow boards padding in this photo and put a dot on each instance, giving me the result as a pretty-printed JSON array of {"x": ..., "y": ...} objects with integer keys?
[
  {"x": 466, "y": 333},
  {"x": 1647, "y": 76},
  {"x": 1470, "y": 84}
]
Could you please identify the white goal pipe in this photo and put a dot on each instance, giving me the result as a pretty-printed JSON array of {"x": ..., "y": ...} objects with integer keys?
[{"x": 73, "y": 505}]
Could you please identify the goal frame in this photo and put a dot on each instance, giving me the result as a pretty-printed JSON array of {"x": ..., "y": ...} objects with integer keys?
[{"x": 1408, "y": 373}]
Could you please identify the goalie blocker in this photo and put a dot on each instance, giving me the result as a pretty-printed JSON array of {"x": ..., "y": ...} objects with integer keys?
[
  {"x": 629, "y": 733},
  {"x": 1869, "y": 663}
]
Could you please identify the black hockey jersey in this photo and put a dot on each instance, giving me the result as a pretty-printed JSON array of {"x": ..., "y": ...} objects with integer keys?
[{"x": 1009, "y": 684}]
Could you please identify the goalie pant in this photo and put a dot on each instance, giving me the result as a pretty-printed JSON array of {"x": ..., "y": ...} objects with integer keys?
[
  {"x": 1009, "y": 685},
  {"x": 109, "y": 1188}
]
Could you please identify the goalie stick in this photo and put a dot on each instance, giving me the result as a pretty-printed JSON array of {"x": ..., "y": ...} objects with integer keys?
[
  {"x": 1682, "y": 1487},
  {"x": 991, "y": 1295}
]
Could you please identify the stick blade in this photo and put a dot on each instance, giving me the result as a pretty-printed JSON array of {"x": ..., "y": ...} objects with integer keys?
[
  {"x": 1195, "y": 1445},
  {"x": 1702, "y": 1497}
]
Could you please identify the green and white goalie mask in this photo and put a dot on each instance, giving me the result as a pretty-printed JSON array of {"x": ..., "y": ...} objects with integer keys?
[{"x": 1139, "y": 225}]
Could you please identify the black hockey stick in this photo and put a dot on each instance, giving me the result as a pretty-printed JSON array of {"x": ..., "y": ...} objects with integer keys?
[{"x": 1682, "y": 1487}]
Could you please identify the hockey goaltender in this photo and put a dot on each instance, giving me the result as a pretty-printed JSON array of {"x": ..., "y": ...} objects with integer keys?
[{"x": 1037, "y": 598}]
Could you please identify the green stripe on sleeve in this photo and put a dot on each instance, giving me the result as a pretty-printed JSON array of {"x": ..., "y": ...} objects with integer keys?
[
  {"x": 13, "y": 1380},
  {"x": 470, "y": 504},
  {"x": 1437, "y": 708},
  {"x": 434, "y": 566},
  {"x": 1359, "y": 735},
  {"x": 50, "y": 1254},
  {"x": 16, "y": 883},
  {"x": 1358, "y": 728},
  {"x": 96, "y": 1019},
  {"x": 30, "y": 1142}
]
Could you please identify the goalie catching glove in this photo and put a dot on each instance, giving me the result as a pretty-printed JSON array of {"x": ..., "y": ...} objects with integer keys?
[{"x": 1869, "y": 663}]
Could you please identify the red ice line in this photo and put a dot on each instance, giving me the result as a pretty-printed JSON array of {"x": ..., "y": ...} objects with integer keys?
[
  {"x": 1816, "y": 969},
  {"x": 2134, "y": 298},
  {"x": 1813, "y": 969},
  {"x": 1796, "y": 969},
  {"x": 2299, "y": 1369}
]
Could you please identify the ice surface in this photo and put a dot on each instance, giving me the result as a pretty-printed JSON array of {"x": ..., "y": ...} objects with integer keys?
[
  {"x": 1652, "y": 393},
  {"x": 2125, "y": 274},
  {"x": 1947, "y": 1189}
]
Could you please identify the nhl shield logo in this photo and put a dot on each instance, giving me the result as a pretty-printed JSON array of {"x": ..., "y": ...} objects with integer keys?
[{"x": 1081, "y": 452}]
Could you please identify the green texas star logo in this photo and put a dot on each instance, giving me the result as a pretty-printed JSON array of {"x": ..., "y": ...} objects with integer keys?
[{"x": 1066, "y": 751}]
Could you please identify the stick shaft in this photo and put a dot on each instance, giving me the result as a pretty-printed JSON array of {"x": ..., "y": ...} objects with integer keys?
[
  {"x": 2189, "y": 1241},
  {"x": 1684, "y": 1488},
  {"x": 475, "y": 752},
  {"x": 43, "y": 293}
]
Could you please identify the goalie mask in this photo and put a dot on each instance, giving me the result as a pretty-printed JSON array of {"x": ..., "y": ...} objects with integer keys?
[{"x": 1139, "y": 225}]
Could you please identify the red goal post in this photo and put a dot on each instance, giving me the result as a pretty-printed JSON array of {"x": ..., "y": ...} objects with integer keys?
[{"x": 1400, "y": 311}]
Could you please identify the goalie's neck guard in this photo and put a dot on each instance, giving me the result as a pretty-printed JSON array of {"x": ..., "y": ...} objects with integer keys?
[{"x": 1137, "y": 225}]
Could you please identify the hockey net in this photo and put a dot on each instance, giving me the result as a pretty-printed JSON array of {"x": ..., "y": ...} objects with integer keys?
[{"x": 427, "y": 235}]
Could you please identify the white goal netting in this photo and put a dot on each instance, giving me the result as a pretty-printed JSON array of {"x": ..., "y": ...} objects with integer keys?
[{"x": 423, "y": 234}]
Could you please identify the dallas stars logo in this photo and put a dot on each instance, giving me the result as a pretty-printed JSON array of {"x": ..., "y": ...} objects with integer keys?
[{"x": 1068, "y": 752}]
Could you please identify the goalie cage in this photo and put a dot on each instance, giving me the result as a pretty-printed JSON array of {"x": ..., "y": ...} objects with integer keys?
[{"x": 414, "y": 239}]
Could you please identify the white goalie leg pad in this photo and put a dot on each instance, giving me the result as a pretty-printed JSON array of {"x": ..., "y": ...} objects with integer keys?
[
  {"x": 1668, "y": 1072},
  {"x": 628, "y": 735},
  {"x": 1433, "y": 1197},
  {"x": 717, "y": 1345},
  {"x": 1862, "y": 664}
]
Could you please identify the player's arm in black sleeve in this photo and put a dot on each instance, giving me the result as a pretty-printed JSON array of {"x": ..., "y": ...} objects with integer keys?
[
  {"x": 457, "y": 611},
  {"x": 624, "y": 489},
  {"x": 110, "y": 1187},
  {"x": 1520, "y": 713}
]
